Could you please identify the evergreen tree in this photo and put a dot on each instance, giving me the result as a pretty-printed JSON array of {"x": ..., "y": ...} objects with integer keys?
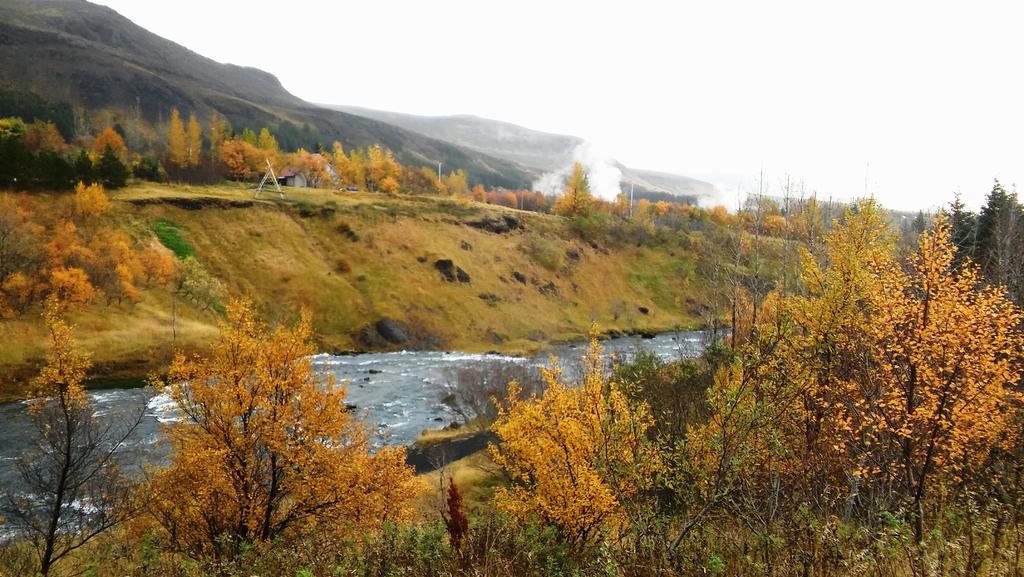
[
  {"x": 110, "y": 170},
  {"x": 920, "y": 223},
  {"x": 996, "y": 224},
  {"x": 964, "y": 225},
  {"x": 1000, "y": 233},
  {"x": 15, "y": 158},
  {"x": 51, "y": 171},
  {"x": 83, "y": 169},
  {"x": 148, "y": 168}
]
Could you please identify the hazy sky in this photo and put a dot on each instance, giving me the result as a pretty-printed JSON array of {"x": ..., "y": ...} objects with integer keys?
[{"x": 909, "y": 100}]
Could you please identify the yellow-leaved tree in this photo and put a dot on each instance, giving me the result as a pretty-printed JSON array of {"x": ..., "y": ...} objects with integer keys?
[
  {"x": 893, "y": 382},
  {"x": 908, "y": 370},
  {"x": 219, "y": 130},
  {"x": 576, "y": 455},
  {"x": 91, "y": 201},
  {"x": 576, "y": 200},
  {"x": 72, "y": 462},
  {"x": 177, "y": 144},
  {"x": 950, "y": 356},
  {"x": 267, "y": 448},
  {"x": 266, "y": 141},
  {"x": 193, "y": 141}
]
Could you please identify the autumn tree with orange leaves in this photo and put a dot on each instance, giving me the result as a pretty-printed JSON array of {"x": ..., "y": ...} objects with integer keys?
[
  {"x": 109, "y": 138},
  {"x": 267, "y": 448}
]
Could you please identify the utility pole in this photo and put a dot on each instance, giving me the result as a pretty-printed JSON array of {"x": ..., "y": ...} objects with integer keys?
[
  {"x": 439, "y": 172},
  {"x": 631, "y": 186}
]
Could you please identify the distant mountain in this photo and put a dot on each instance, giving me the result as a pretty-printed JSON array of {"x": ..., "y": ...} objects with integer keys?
[
  {"x": 94, "y": 59},
  {"x": 535, "y": 151},
  {"x": 532, "y": 149}
]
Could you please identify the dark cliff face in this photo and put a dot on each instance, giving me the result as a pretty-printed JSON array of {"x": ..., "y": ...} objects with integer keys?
[{"x": 93, "y": 58}]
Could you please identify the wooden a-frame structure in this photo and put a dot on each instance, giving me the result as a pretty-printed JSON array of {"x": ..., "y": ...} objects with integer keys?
[{"x": 269, "y": 174}]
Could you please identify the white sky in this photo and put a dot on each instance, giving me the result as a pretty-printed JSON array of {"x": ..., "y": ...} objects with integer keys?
[{"x": 926, "y": 94}]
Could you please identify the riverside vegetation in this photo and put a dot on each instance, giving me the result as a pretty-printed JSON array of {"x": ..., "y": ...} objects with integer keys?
[{"x": 862, "y": 418}]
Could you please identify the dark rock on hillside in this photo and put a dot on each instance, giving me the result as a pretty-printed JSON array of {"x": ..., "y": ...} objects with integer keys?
[
  {"x": 520, "y": 277},
  {"x": 643, "y": 310},
  {"x": 393, "y": 331},
  {"x": 450, "y": 272},
  {"x": 498, "y": 224},
  {"x": 549, "y": 289},
  {"x": 446, "y": 267}
]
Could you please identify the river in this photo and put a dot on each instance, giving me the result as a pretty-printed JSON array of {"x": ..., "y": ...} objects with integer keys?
[{"x": 399, "y": 393}]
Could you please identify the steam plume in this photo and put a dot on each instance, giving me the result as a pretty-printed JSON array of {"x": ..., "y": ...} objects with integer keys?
[{"x": 602, "y": 171}]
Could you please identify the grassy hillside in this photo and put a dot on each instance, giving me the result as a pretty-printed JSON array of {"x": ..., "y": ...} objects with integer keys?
[{"x": 353, "y": 259}]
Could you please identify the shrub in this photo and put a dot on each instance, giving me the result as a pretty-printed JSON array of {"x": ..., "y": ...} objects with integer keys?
[
  {"x": 542, "y": 251},
  {"x": 345, "y": 230},
  {"x": 149, "y": 168},
  {"x": 474, "y": 388}
]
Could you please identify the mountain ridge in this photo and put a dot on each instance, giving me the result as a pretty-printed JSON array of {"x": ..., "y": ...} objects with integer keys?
[
  {"x": 534, "y": 150},
  {"x": 100, "y": 62}
]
